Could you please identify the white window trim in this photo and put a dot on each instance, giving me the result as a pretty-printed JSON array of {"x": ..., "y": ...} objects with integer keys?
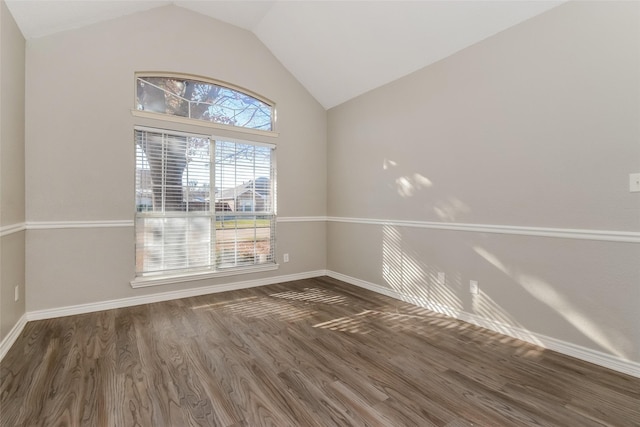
[
  {"x": 165, "y": 118},
  {"x": 189, "y": 121},
  {"x": 166, "y": 123},
  {"x": 158, "y": 279},
  {"x": 146, "y": 281}
]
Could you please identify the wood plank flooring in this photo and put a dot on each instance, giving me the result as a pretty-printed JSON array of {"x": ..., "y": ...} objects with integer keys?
[{"x": 314, "y": 352}]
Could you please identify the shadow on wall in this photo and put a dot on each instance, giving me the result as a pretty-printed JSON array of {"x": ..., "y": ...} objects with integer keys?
[
  {"x": 548, "y": 295},
  {"x": 419, "y": 282},
  {"x": 447, "y": 209},
  {"x": 407, "y": 272},
  {"x": 404, "y": 270}
]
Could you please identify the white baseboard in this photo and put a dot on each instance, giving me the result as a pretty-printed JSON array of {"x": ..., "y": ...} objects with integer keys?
[
  {"x": 166, "y": 296},
  {"x": 12, "y": 336},
  {"x": 588, "y": 355}
]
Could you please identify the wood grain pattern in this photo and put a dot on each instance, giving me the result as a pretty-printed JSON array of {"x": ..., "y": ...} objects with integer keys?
[{"x": 314, "y": 352}]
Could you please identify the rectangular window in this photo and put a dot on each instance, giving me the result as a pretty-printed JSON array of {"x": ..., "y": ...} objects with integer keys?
[{"x": 202, "y": 204}]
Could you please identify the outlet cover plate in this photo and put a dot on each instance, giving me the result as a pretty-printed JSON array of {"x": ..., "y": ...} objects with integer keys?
[
  {"x": 473, "y": 287},
  {"x": 634, "y": 182}
]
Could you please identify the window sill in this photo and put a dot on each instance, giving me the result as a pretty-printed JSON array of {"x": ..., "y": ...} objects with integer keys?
[
  {"x": 203, "y": 123},
  {"x": 143, "y": 282}
]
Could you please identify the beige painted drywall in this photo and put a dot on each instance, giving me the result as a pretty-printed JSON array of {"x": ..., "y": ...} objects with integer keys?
[
  {"x": 80, "y": 156},
  {"x": 12, "y": 131},
  {"x": 536, "y": 126},
  {"x": 12, "y": 170}
]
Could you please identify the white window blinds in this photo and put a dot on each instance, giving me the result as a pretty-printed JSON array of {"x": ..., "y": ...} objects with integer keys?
[{"x": 202, "y": 204}]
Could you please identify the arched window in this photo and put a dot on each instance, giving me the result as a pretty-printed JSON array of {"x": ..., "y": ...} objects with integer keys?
[
  {"x": 205, "y": 204},
  {"x": 204, "y": 100}
]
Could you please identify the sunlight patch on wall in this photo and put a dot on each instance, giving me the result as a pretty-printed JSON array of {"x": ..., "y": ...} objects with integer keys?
[
  {"x": 421, "y": 181},
  {"x": 388, "y": 164},
  {"x": 611, "y": 340},
  {"x": 450, "y": 209},
  {"x": 414, "y": 280},
  {"x": 544, "y": 292},
  {"x": 399, "y": 271},
  {"x": 501, "y": 321},
  {"x": 408, "y": 185},
  {"x": 486, "y": 307}
]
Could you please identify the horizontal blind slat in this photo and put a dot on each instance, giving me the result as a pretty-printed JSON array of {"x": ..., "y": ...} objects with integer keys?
[{"x": 177, "y": 228}]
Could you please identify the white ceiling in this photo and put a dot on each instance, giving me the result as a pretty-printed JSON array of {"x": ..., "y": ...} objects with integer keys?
[{"x": 336, "y": 49}]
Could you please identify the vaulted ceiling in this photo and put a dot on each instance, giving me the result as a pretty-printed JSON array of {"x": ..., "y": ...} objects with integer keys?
[{"x": 336, "y": 49}]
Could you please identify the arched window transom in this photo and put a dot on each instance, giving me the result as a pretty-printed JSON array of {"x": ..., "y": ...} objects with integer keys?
[{"x": 204, "y": 100}]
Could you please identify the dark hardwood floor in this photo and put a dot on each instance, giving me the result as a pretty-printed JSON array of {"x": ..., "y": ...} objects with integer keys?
[{"x": 314, "y": 352}]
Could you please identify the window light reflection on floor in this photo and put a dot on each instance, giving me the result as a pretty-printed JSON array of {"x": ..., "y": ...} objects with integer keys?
[
  {"x": 313, "y": 295},
  {"x": 369, "y": 320},
  {"x": 261, "y": 307}
]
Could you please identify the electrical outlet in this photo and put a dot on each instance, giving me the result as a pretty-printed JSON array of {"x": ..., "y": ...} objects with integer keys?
[
  {"x": 634, "y": 182},
  {"x": 16, "y": 293},
  {"x": 286, "y": 257},
  {"x": 473, "y": 287},
  {"x": 441, "y": 278}
]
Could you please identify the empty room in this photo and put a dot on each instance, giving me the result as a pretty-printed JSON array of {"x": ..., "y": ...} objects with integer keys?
[{"x": 319, "y": 213}]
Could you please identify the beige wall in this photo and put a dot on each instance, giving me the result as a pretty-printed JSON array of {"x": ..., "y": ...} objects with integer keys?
[
  {"x": 12, "y": 169},
  {"x": 538, "y": 126},
  {"x": 80, "y": 157}
]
